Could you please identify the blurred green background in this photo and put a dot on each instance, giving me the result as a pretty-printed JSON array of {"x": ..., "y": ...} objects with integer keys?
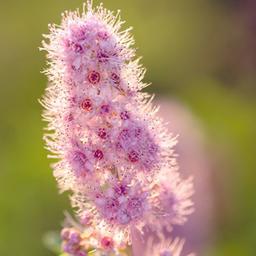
[{"x": 201, "y": 52}]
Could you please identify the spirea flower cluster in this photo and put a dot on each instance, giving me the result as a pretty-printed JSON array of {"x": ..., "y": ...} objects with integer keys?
[{"x": 114, "y": 154}]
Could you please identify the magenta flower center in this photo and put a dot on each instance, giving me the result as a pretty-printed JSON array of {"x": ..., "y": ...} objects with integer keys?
[
  {"x": 98, "y": 154},
  {"x": 124, "y": 115},
  {"x": 107, "y": 243},
  {"x": 93, "y": 77},
  {"x": 103, "y": 35},
  {"x": 102, "y": 133},
  {"x": 115, "y": 78},
  {"x": 133, "y": 156},
  {"x": 86, "y": 105},
  {"x": 102, "y": 56},
  {"x": 104, "y": 109},
  {"x": 77, "y": 48}
]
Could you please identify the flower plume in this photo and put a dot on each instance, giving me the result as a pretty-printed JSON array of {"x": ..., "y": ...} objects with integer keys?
[{"x": 114, "y": 154}]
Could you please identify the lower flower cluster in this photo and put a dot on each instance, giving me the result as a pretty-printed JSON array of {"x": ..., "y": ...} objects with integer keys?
[{"x": 81, "y": 240}]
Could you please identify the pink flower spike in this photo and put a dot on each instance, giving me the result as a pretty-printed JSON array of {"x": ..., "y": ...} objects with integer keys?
[{"x": 115, "y": 155}]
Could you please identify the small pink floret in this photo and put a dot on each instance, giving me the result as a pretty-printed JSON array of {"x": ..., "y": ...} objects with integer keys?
[
  {"x": 102, "y": 133},
  {"x": 98, "y": 154},
  {"x": 133, "y": 156},
  {"x": 124, "y": 115},
  {"x": 115, "y": 78},
  {"x": 107, "y": 243},
  {"x": 104, "y": 109},
  {"x": 77, "y": 48},
  {"x": 103, "y": 35},
  {"x": 93, "y": 77},
  {"x": 86, "y": 105}
]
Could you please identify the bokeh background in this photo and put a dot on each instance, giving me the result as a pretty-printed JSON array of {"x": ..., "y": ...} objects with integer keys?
[{"x": 200, "y": 53}]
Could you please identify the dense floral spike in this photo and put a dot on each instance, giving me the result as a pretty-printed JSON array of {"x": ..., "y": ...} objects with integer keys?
[
  {"x": 80, "y": 239},
  {"x": 112, "y": 148}
]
